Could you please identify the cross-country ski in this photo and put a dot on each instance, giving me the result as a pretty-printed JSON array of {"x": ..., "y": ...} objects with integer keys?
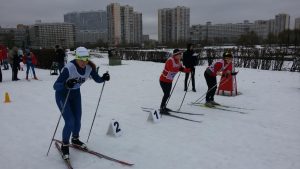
[{"x": 100, "y": 155}]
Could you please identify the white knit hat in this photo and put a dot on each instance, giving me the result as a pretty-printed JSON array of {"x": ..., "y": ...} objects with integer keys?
[{"x": 82, "y": 53}]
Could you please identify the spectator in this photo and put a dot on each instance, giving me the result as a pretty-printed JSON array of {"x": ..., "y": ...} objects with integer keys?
[
  {"x": 30, "y": 60},
  {"x": 60, "y": 57},
  {"x": 189, "y": 61},
  {"x": 14, "y": 61},
  {"x": 20, "y": 54}
]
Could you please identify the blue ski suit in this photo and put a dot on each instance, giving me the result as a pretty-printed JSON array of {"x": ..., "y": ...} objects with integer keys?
[{"x": 73, "y": 111}]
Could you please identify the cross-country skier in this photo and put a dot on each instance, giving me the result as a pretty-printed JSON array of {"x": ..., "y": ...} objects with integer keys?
[
  {"x": 73, "y": 75},
  {"x": 172, "y": 67},
  {"x": 222, "y": 68}
]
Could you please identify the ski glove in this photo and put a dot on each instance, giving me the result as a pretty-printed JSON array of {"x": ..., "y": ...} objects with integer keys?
[
  {"x": 70, "y": 83},
  {"x": 105, "y": 76}
]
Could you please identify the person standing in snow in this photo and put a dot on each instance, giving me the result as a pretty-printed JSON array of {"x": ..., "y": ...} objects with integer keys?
[
  {"x": 14, "y": 60},
  {"x": 73, "y": 75},
  {"x": 222, "y": 68},
  {"x": 60, "y": 56},
  {"x": 30, "y": 60},
  {"x": 20, "y": 54},
  {"x": 189, "y": 61},
  {"x": 172, "y": 67}
]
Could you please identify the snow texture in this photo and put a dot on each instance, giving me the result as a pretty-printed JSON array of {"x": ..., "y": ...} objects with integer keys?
[{"x": 268, "y": 137}]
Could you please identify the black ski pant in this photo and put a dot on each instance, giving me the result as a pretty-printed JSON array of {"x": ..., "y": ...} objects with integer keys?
[
  {"x": 211, "y": 82},
  {"x": 166, "y": 87},
  {"x": 192, "y": 77},
  {"x": 15, "y": 70}
]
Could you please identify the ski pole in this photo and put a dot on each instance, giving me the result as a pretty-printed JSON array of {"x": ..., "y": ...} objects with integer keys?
[
  {"x": 184, "y": 94},
  {"x": 62, "y": 112},
  {"x": 202, "y": 97},
  {"x": 30, "y": 71},
  {"x": 173, "y": 89},
  {"x": 96, "y": 111}
]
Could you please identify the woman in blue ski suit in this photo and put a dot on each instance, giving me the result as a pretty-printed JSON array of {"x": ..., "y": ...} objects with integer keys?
[{"x": 73, "y": 75}]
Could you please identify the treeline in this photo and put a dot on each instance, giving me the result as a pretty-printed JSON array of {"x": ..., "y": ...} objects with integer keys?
[{"x": 271, "y": 58}]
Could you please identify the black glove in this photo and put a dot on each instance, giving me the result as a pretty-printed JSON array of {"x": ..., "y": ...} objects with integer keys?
[
  {"x": 105, "y": 76},
  {"x": 234, "y": 73},
  {"x": 70, "y": 83}
]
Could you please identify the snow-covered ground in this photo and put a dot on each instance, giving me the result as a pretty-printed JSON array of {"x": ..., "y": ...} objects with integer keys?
[{"x": 268, "y": 137}]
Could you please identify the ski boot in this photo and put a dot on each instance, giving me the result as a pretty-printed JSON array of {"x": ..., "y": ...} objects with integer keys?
[
  {"x": 65, "y": 151},
  {"x": 209, "y": 104},
  {"x": 215, "y": 103},
  {"x": 77, "y": 142},
  {"x": 165, "y": 111}
]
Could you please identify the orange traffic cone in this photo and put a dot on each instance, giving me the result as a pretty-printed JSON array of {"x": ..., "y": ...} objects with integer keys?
[{"x": 7, "y": 99}]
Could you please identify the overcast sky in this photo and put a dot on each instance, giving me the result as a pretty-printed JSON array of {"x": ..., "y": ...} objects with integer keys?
[{"x": 13, "y": 12}]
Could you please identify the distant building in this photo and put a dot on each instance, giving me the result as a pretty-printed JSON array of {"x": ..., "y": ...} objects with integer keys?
[
  {"x": 90, "y": 36},
  {"x": 47, "y": 35},
  {"x": 137, "y": 28},
  {"x": 114, "y": 23},
  {"x": 146, "y": 38},
  {"x": 124, "y": 25},
  {"x": 173, "y": 24},
  {"x": 282, "y": 23},
  {"x": 223, "y": 33},
  {"x": 219, "y": 33},
  {"x": 88, "y": 20},
  {"x": 196, "y": 33},
  {"x": 91, "y": 26},
  {"x": 297, "y": 23},
  {"x": 261, "y": 28},
  {"x": 15, "y": 36},
  {"x": 271, "y": 23}
]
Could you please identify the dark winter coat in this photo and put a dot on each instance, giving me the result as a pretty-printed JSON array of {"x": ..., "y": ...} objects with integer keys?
[
  {"x": 60, "y": 55},
  {"x": 189, "y": 60}
]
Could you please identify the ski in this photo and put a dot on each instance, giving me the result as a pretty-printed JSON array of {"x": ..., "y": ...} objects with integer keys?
[
  {"x": 174, "y": 111},
  {"x": 67, "y": 161},
  {"x": 179, "y": 117},
  {"x": 224, "y": 109},
  {"x": 225, "y": 106},
  {"x": 172, "y": 115},
  {"x": 97, "y": 154}
]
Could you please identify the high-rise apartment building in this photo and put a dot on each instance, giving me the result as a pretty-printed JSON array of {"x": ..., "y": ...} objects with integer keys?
[
  {"x": 114, "y": 23},
  {"x": 173, "y": 24},
  {"x": 124, "y": 24},
  {"x": 137, "y": 27},
  {"x": 282, "y": 23},
  {"x": 127, "y": 24},
  {"x": 47, "y": 35}
]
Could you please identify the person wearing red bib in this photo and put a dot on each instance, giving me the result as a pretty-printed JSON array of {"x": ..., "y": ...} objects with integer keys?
[
  {"x": 172, "y": 66},
  {"x": 221, "y": 68}
]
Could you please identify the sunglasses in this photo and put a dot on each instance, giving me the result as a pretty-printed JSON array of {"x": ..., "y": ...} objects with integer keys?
[{"x": 83, "y": 58}]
